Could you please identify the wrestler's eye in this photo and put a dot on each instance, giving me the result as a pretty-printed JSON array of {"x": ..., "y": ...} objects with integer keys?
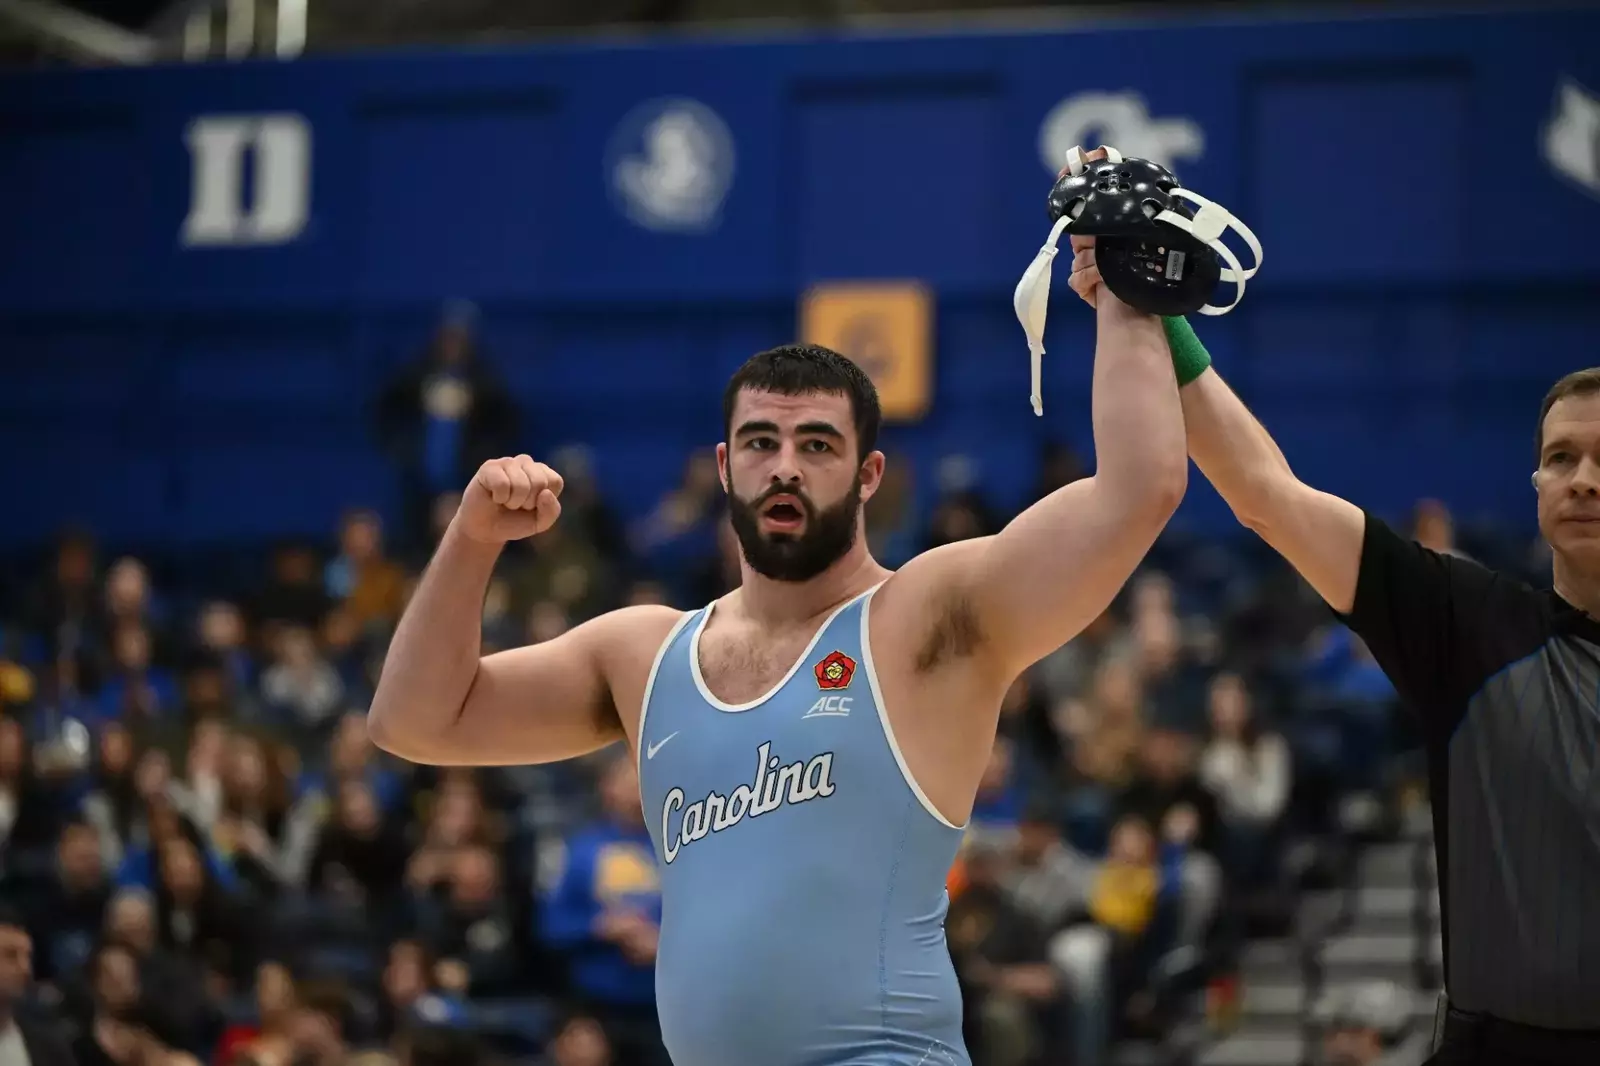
[
  {"x": 818, "y": 445},
  {"x": 1558, "y": 458},
  {"x": 761, "y": 444}
]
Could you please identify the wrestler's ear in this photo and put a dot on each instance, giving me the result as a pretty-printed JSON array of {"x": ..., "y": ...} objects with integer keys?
[{"x": 871, "y": 474}]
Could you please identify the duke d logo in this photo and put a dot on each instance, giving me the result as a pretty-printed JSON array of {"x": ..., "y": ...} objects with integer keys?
[{"x": 835, "y": 671}]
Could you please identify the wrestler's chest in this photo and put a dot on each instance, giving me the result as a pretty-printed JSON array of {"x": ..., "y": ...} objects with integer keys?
[{"x": 740, "y": 667}]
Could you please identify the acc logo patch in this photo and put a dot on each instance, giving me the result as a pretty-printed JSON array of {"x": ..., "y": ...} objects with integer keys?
[{"x": 835, "y": 671}]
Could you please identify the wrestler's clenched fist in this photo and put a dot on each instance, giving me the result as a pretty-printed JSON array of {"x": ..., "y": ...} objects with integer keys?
[{"x": 509, "y": 499}]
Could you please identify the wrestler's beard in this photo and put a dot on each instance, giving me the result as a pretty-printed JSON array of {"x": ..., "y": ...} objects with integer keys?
[{"x": 825, "y": 538}]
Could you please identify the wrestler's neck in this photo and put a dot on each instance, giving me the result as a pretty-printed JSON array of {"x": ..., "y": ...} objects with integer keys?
[
  {"x": 1579, "y": 586},
  {"x": 779, "y": 603}
]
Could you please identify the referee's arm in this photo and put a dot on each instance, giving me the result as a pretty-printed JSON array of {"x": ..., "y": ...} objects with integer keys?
[{"x": 1423, "y": 615}]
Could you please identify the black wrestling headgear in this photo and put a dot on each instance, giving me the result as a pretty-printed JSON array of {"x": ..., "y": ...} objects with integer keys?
[{"x": 1155, "y": 252}]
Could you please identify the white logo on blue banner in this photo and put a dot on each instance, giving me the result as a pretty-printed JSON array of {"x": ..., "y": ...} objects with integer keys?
[
  {"x": 1572, "y": 136},
  {"x": 1120, "y": 119},
  {"x": 279, "y": 198},
  {"x": 671, "y": 164}
]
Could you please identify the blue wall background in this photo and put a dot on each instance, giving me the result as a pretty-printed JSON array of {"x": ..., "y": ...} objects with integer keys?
[{"x": 1427, "y": 272}]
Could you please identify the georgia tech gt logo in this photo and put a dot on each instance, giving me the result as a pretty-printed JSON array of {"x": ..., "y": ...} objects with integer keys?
[
  {"x": 775, "y": 786},
  {"x": 1122, "y": 119}
]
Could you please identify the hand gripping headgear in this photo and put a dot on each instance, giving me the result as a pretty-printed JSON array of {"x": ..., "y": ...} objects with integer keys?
[{"x": 1156, "y": 253}]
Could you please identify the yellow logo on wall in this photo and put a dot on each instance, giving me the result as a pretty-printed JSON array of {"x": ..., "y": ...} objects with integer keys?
[{"x": 887, "y": 328}]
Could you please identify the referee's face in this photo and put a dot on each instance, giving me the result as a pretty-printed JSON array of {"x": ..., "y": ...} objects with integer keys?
[{"x": 1568, "y": 480}]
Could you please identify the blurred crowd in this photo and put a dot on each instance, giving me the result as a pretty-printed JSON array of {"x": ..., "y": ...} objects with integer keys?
[{"x": 210, "y": 862}]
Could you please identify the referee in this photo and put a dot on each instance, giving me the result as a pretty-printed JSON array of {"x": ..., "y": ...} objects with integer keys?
[{"x": 1506, "y": 681}]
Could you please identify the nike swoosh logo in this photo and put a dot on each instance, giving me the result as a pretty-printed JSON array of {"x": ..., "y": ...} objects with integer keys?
[{"x": 650, "y": 752}]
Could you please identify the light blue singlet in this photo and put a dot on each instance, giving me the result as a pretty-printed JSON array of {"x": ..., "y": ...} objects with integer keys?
[{"x": 802, "y": 870}]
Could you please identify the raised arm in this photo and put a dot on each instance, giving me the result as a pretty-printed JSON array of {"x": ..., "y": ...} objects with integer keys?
[
  {"x": 1320, "y": 535},
  {"x": 1058, "y": 565},
  {"x": 440, "y": 703}
]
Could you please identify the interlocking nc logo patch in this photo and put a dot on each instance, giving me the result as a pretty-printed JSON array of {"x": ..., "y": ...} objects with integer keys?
[{"x": 835, "y": 671}]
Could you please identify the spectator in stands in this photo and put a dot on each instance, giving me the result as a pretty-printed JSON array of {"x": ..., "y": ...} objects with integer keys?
[
  {"x": 409, "y": 992},
  {"x": 319, "y": 1025},
  {"x": 27, "y": 812},
  {"x": 265, "y": 837},
  {"x": 1434, "y": 528},
  {"x": 17, "y": 685},
  {"x": 1167, "y": 781},
  {"x": 198, "y": 916},
  {"x": 369, "y": 586},
  {"x": 445, "y": 414},
  {"x": 22, "y": 1039},
  {"x": 1069, "y": 671},
  {"x": 1014, "y": 1006},
  {"x": 682, "y": 528},
  {"x": 579, "y": 1040},
  {"x": 474, "y": 924},
  {"x": 160, "y": 807},
  {"x": 360, "y": 857},
  {"x": 1362, "y": 1023},
  {"x": 199, "y": 793},
  {"x": 604, "y": 911},
  {"x": 221, "y": 637},
  {"x": 170, "y": 981},
  {"x": 1136, "y": 899},
  {"x": 1356, "y": 703},
  {"x": 294, "y": 594},
  {"x": 209, "y": 693},
  {"x": 1247, "y": 769},
  {"x": 66, "y": 909},
  {"x": 1050, "y": 882},
  {"x": 891, "y": 515},
  {"x": 434, "y": 1045},
  {"x": 1103, "y": 736},
  {"x": 585, "y": 509},
  {"x": 136, "y": 690},
  {"x": 1169, "y": 798},
  {"x": 112, "y": 802},
  {"x": 113, "y": 1012},
  {"x": 265, "y": 1038},
  {"x": 64, "y": 608},
  {"x": 351, "y": 756},
  {"x": 301, "y": 689},
  {"x": 960, "y": 515},
  {"x": 999, "y": 800},
  {"x": 456, "y": 820},
  {"x": 129, "y": 599}
]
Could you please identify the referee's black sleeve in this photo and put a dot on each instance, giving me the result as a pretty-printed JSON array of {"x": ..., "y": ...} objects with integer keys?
[{"x": 1439, "y": 625}]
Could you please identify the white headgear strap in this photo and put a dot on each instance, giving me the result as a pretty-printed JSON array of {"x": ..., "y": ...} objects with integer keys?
[
  {"x": 1210, "y": 222},
  {"x": 1032, "y": 297}
]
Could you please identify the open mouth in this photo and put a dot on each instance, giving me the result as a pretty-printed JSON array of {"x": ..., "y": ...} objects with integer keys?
[{"x": 783, "y": 513}]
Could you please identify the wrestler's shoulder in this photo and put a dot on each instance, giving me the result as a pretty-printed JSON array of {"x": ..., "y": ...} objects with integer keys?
[{"x": 637, "y": 627}]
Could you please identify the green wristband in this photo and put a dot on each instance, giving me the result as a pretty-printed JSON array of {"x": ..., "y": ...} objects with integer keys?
[{"x": 1189, "y": 356}]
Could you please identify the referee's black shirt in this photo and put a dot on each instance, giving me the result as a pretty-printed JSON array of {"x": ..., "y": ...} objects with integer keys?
[{"x": 1506, "y": 680}]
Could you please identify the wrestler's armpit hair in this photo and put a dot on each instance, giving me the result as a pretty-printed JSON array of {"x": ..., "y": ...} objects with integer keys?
[
  {"x": 798, "y": 369},
  {"x": 955, "y": 634}
]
